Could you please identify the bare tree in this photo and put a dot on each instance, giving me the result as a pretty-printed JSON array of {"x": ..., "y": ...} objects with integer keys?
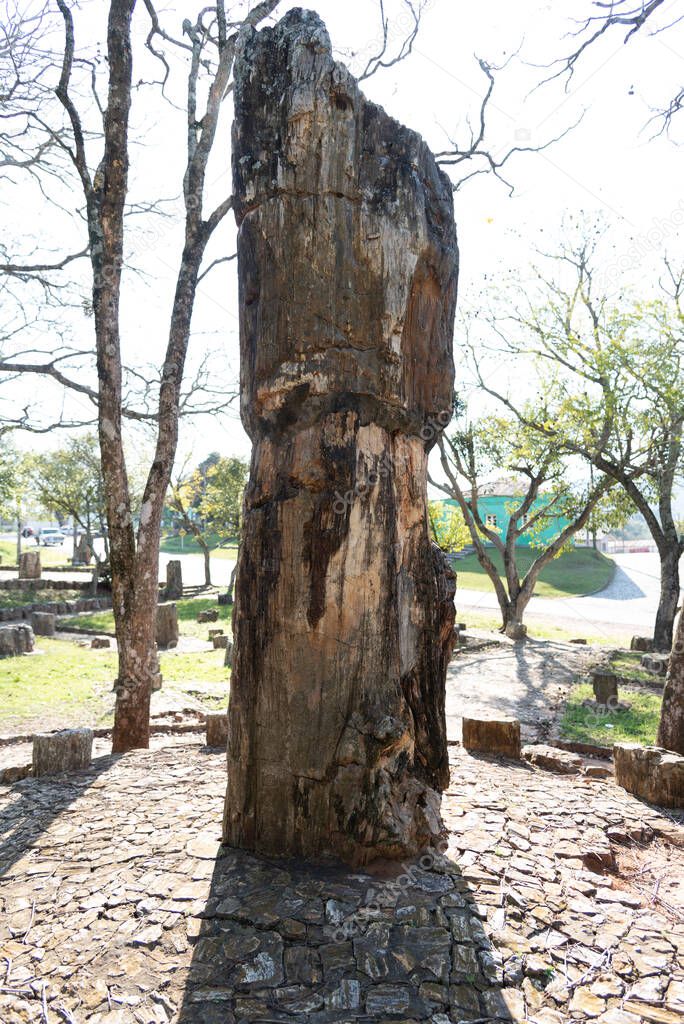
[
  {"x": 626, "y": 18},
  {"x": 91, "y": 133}
]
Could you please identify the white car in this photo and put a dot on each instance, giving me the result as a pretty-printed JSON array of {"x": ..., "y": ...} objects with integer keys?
[{"x": 52, "y": 538}]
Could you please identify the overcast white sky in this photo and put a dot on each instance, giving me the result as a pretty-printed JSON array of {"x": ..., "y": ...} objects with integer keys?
[{"x": 608, "y": 164}]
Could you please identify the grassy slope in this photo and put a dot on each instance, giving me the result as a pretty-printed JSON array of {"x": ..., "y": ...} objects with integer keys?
[
  {"x": 577, "y": 572},
  {"x": 639, "y": 724},
  {"x": 187, "y": 618},
  {"x": 188, "y": 546},
  {"x": 67, "y": 684},
  {"x": 48, "y": 556},
  {"x": 544, "y": 631}
]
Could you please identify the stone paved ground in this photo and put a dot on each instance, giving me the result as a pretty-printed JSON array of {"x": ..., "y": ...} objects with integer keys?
[
  {"x": 557, "y": 900},
  {"x": 528, "y": 680}
]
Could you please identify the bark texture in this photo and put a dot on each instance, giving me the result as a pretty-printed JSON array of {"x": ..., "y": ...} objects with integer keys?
[
  {"x": 492, "y": 736},
  {"x": 348, "y": 268},
  {"x": 68, "y": 750},
  {"x": 671, "y": 728},
  {"x": 29, "y": 565}
]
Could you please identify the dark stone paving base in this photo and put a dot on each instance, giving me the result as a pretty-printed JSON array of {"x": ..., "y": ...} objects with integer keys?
[{"x": 117, "y": 906}]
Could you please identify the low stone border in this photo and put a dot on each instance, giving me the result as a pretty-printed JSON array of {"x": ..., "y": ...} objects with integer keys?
[
  {"x": 44, "y": 584},
  {"x": 80, "y": 605},
  {"x": 155, "y": 730}
]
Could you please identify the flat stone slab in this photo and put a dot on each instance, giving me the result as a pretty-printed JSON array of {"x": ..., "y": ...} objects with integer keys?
[
  {"x": 652, "y": 773},
  {"x": 552, "y": 759},
  {"x": 490, "y": 735},
  {"x": 117, "y": 896}
]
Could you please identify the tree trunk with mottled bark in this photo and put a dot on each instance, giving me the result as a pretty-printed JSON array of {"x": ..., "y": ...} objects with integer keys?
[
  {"x": 343, "y": 621},
  {"x": 671, "y": 728}
]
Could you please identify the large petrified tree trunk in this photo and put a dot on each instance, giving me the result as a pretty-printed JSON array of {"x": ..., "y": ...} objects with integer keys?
[
  {"x": 671, "y": 729},
  {"x": 348, "y": 266}
]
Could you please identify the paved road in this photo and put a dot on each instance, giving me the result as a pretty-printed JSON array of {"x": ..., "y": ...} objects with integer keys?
[{"x": 627, "y": 604}]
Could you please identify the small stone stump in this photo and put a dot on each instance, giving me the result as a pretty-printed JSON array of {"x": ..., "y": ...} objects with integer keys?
[
  {"x": 228, "y": 659},
  {"x": 68, "y": 750},
  {"x": 220, "y": 641},
  {"x": 100, "y": 643},
  {"x": 29, "y": 565},
  {"x": 15, "y": 640},
  {"x": 605, "y": 685},
  {"x": 652, "y": 773},
  {"x": 656, "y": 663},
  {"x": 224, "y": 599},
  {"x": 217, "y": 730},
  {"x": 552, "y": 759},
  {"x": 641, "y": 643},
  {"x": 174, "y": 581},
  {"x": 492, "y": 735},
  {"x": 44, "y": 623},
  {"x": 167, "y": 625},
  {"x": 210, "y": 615}
]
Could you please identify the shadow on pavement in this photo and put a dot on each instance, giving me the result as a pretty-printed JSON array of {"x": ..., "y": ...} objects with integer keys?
[{"x": 287, "y": 941}]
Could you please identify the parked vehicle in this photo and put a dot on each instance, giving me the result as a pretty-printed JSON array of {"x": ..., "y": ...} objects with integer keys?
[{"x": 52, "y": 538}]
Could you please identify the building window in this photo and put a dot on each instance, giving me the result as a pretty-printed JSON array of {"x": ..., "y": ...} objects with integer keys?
[{"x": 490, "y": 521}]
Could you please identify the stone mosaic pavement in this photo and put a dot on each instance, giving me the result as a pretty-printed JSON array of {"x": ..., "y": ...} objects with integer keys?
[{"x": 558, "y": 899}]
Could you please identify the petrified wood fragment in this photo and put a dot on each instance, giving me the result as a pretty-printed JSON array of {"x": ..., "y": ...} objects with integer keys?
[{"x": 343, "y": 621}]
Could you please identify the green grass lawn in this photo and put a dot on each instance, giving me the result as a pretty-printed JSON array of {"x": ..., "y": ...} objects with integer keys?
[
  {"x": 65, "y": 684},
  {"x": 585, "y": 725},
  {"x": 577, "y": 572},
  {"x": 172, "y": 545},
  {"x": 627, "y": 664},
  {"x": 542, "y": 631},
  {"x": 48, "y": 556},
  {"x": 187, "y": 618}
]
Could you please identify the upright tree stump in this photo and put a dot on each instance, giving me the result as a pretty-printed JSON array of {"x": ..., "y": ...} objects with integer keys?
[
  {"x": 174, "y": 581},
  {"x": 29, "y": 565},
  {"x": 343, "y": 622},
  {"x": 167, "y": 625},
  {"x": 68, "y": 750},
  {"x": 44, "y": 623},
  {"x": 486, "y": 735}
]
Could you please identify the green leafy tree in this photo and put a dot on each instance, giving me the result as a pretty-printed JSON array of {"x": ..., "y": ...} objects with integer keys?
[
  {"x": 611, "y": 390},
  {"x": 68, "y": 483},
  {"x": 448, "y": 527},
  {"x": 546, "y": 498},
  {"x": 208, "y": 502}
]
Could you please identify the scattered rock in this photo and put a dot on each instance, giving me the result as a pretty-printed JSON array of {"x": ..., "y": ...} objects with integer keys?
[
  {"x": 656, "y": 663},
  {"x": 641, "y": 643},
  {"x": 99, "y": 643},
  {"x": 210, "y": 615}
]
